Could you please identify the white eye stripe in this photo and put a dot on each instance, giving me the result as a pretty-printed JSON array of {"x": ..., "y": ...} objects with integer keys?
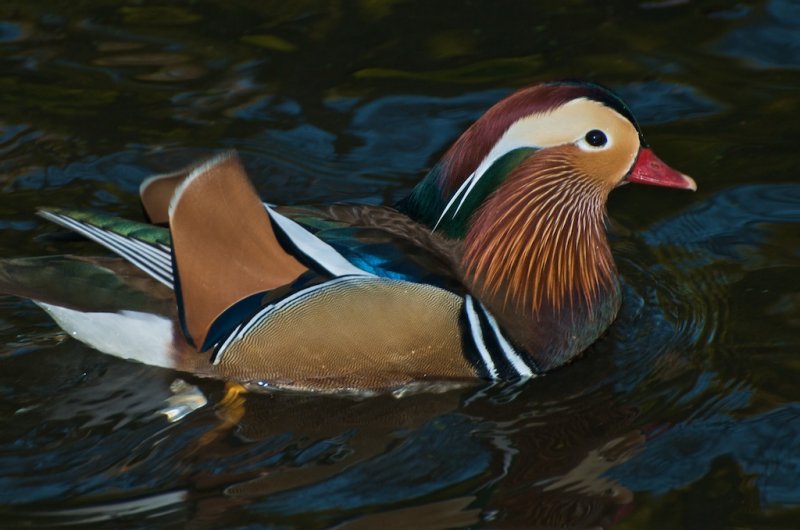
[{"x": 564, "y": 125}]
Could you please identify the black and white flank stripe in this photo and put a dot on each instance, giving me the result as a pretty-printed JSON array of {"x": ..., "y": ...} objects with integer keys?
[{"x": 487, "y": 348}]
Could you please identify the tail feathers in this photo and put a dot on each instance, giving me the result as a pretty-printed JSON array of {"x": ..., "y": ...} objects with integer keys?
[
  {"x": 145, "y": 337},
  {"x": 84, "y": 284},
  {"x": 106, "y": 303},
  {"x": 223, "y": 244}
]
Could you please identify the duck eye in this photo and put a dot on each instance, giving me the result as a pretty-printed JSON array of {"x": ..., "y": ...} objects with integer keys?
[{"x": 596, "y": 138}]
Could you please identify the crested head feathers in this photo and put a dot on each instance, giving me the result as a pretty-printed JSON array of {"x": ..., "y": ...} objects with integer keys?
[
  {"x": 473, "y": 147},
  {"x": 534, "y": 118},
  {"x": 524, "y": 189}
]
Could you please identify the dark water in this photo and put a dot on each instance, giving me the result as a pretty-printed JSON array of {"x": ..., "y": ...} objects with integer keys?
[{"x": 686, "y": 415}]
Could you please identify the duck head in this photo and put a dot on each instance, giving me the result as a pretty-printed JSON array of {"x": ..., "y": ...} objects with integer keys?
[{"x": 525, "y": 189}]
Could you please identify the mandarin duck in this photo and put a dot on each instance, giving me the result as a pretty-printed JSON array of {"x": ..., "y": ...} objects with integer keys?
[{"x": 495, "y": 266}]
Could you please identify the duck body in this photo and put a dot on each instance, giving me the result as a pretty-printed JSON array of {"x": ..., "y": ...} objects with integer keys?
[{"x": 496, "y": 266}]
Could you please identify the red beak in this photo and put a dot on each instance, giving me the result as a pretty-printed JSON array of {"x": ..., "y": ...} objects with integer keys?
[{"x": 649, "y": 169}]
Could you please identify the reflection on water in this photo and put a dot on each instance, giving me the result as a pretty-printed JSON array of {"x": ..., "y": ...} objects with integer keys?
[
  {"x": 280, "y": 457},
  {"x": 683, "y": 416}
]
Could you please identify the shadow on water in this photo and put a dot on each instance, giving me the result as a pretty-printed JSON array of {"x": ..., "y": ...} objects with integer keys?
[{"x": 685, "y": 414}]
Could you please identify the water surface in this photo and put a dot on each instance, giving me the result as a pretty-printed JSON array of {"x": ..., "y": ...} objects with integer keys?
[{"x": 685, "y": 415}]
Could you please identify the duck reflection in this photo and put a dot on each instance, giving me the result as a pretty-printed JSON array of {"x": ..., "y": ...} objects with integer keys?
[{"x": 511, "y": 456}]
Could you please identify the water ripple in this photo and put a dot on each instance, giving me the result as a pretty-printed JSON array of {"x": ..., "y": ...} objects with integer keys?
[
  {"x": 657, "y": 102},
  {"x": 684, "y": 453},
  {"x": 770, "y": 40}
]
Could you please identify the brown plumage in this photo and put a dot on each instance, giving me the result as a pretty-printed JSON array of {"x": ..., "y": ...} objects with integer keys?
[
  {"x": 472, "y": 147},
  {"x": 156, "y": 193},
  {"x": 496, "y": 266},
  {"x": 213, "y": 213},
  {"x": 539, "y": 239}
]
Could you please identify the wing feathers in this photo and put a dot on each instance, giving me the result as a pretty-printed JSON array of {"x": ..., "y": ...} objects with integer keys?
[
  {"x": 223, "y": 244},
  {"x": 350, "y": 332},
  {"x": 157, "y": 191},
  {"x": 151, "y": 256},
  {"x": 309, "y": 245}
]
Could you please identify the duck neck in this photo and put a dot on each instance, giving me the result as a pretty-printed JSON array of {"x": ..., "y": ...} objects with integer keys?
[{"x": 537, "y": 256}]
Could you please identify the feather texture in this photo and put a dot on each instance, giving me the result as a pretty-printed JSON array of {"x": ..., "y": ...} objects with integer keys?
[
  {"x": 540, "y": 239},
  {"x": 496, "y": 266}
]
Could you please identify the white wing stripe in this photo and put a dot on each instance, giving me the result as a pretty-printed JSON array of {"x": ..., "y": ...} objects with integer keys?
[
  {"x": 119, "y": 244},
  {"x": 128, "y": 247},
  {"x": 157, "y": 264},
  {"x": 313, "y": 247},
  {"x": 159, "y": 259}
]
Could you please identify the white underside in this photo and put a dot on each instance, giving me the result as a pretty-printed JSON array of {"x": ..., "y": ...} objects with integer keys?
[{"x": 142, "y": 337}]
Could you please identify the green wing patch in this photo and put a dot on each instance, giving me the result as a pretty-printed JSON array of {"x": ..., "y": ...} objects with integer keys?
[{"x": 147, "y": 233}]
